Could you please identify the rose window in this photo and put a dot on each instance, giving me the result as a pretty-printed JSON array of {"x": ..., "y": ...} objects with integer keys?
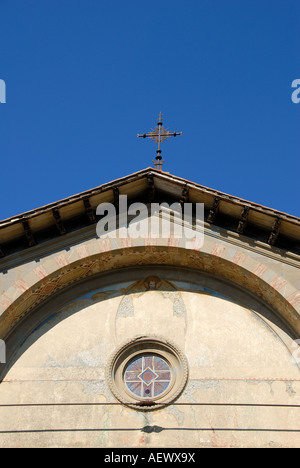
[
  {"x": 147, "y": 372},
  {"x": 147, "y": 376}
]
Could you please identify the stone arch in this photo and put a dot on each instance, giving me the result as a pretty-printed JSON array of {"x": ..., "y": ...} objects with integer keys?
[{"x": 83, "y": 261}]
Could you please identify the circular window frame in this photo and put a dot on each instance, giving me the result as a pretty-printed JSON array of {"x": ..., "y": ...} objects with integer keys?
[
  {"x": 144, "y": 353},
  {"x": 139, "y": 346}
]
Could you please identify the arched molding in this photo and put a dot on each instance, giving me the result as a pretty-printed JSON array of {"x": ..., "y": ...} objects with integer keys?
[{"x": 58, "y": 271}]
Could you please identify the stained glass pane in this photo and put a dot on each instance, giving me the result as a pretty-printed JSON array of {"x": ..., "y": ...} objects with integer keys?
[{"x": 147, "y": 376}]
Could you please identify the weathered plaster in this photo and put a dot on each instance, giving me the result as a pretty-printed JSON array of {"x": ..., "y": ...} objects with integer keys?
[{"x": 233, "y": 310}]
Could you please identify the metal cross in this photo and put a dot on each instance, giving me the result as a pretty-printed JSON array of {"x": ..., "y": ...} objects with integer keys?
[{"x": 159, "y": 135}]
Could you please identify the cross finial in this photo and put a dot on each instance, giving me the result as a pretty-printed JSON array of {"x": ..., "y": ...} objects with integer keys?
[{"x": 159, "y": 135}]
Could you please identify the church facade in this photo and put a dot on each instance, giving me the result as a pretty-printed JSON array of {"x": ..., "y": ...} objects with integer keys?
[{"x": 150, "y": 341}]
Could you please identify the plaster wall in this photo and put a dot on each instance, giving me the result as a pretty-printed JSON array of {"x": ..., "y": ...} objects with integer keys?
[
  {"x": 235, "y": 347},
  {"x": 231, "y": 305}
]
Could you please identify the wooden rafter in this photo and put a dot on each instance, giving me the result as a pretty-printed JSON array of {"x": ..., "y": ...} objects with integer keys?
[
  {"x": 275, "y": 232},
  {"x": 243, "y": 220},
  {"x": 89, "y": 210},
  {"x": 214, "y": 210},
  {"x": 28, "y": 232}
]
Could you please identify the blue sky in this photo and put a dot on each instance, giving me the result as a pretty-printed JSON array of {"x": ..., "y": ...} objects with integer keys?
[{"x": 83, "y": 77}]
